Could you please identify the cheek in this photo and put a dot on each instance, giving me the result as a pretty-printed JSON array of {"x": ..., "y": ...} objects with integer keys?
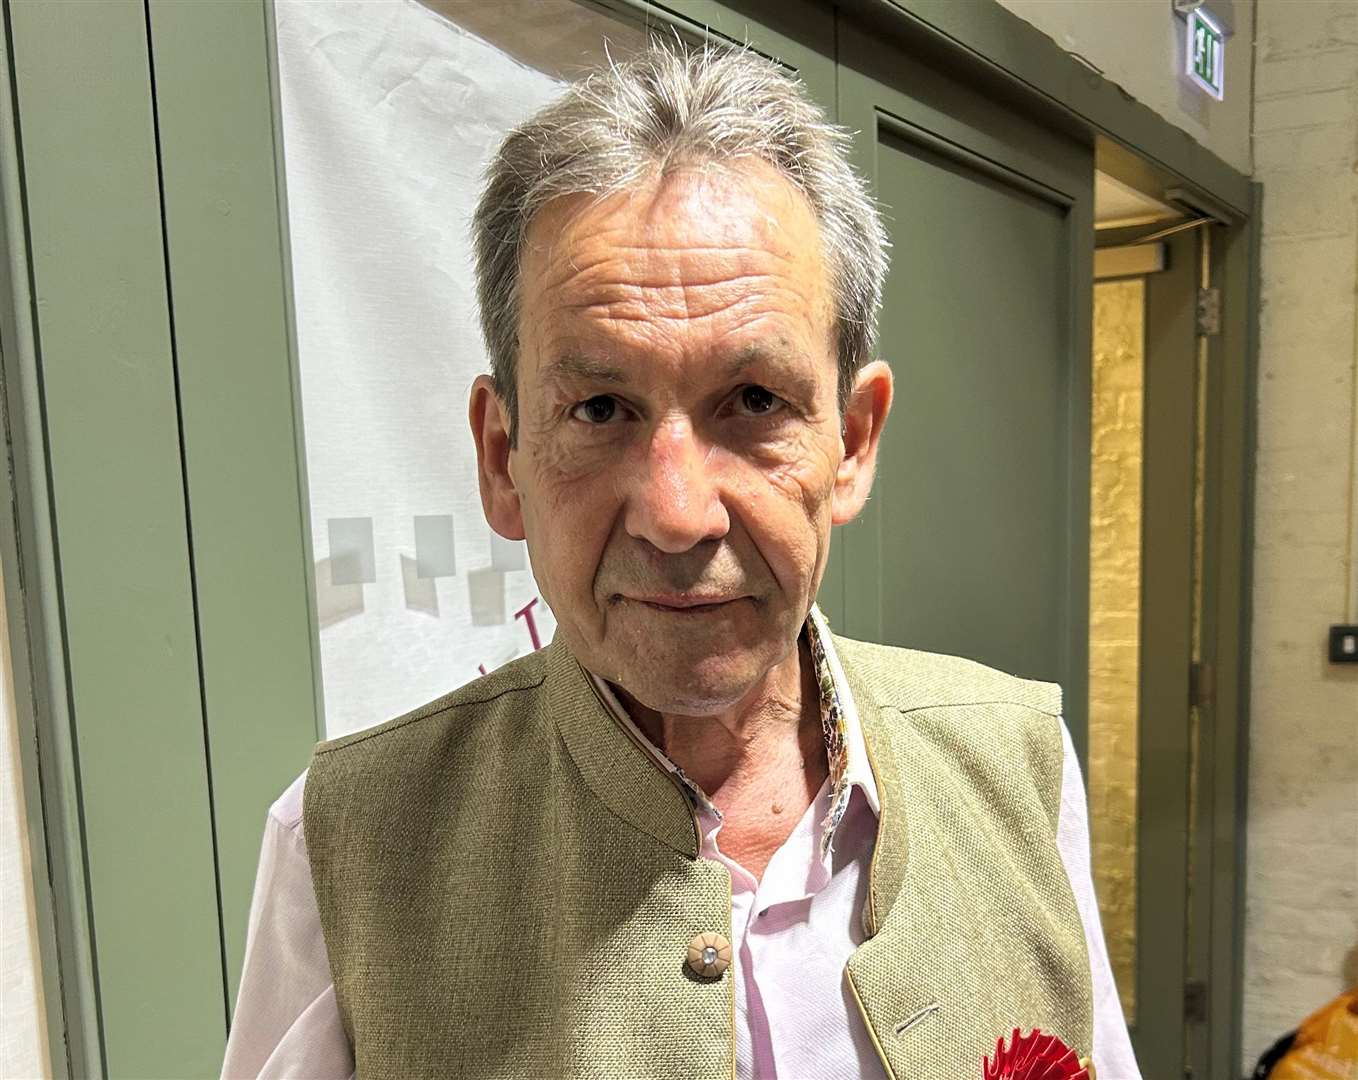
[
  {"x": 569, "y": 508},
  {"x": 787, "y": 507},
  {"x": 804, "y": 474}
]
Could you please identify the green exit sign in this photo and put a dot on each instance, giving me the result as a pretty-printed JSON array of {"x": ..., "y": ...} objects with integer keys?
[{"x": 1206, "y": 53}]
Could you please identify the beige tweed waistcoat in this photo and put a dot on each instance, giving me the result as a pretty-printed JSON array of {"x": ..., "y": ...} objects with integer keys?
[{"x": 508, "y": 882}]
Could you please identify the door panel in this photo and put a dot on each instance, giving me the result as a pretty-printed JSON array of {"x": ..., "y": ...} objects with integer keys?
[
  {"x": 972, "y": 480},
  {"x": 976, "y": 539}
]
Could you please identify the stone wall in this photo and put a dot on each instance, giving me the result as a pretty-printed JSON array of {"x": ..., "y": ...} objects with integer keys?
[
  {"x": 1114, "y": 614},
  {"x": 1301, "y": 925}
]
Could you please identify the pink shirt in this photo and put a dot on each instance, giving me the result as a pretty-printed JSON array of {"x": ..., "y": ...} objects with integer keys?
[
  {"x": 797, "y": 1018},
  {"x": 792, "y": 931}
]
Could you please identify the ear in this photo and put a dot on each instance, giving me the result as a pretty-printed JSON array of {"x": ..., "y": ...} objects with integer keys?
[
  {"x": 864, "y": 416},
  {"x": 490, "y": 431}
]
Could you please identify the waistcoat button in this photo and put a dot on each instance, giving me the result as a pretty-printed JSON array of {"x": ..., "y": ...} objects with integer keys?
[{"x": 709, "y": 955}]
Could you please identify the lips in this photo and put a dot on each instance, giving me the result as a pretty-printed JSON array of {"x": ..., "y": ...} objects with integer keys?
[{"x": 684, "y": 602}]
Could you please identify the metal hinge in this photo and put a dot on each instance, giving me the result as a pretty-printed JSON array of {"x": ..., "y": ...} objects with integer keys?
[
  {"x": 1209, "y": 312},
  {"x": 1195, "y": 1001},
  {"x": 1202, "y": 687}
]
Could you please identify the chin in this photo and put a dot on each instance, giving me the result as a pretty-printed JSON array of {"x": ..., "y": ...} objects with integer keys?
[
  {"x": 693, "y": 664},
  {"x": 687, "y": 700},
  {"x": 692, "y": 686}
]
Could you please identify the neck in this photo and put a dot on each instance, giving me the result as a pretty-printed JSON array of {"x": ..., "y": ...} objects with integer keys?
[{"x": 761, "y": 762}]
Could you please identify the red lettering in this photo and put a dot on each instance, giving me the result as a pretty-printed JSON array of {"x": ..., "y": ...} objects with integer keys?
[{"x": 526, "y": 613}]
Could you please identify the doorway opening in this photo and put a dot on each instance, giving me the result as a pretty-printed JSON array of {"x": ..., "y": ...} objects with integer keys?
[{"x": 1153, "y": 758}]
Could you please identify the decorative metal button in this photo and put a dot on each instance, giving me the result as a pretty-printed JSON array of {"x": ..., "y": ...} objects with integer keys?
[
  {"x": 709, "y": 955},
  {"x": 1088, "y": 1065}
]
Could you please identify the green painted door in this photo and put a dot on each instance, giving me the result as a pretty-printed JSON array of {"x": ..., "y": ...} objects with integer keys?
[{"x": 976, "y": 539}]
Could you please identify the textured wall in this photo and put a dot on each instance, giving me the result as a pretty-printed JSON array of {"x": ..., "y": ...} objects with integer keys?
[
  {"x": 1301, "y": 928},
  {"x": 1114, "y": 613},
  {"x": 1139, "y": 44}
]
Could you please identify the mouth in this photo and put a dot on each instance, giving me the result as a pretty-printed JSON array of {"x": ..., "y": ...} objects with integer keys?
[{"x": 685, "y": 603}]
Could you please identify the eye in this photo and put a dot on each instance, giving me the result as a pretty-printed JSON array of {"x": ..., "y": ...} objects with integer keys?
[
  {"x": 599, "y": 409},
  {"x": 758, "y": 401}
]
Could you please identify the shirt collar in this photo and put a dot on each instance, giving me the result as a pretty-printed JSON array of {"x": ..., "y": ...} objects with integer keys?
[{"x": 845, "y": 750}]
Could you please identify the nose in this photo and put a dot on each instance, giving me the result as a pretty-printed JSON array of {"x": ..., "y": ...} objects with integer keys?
[{"x": 676, "y": 501}]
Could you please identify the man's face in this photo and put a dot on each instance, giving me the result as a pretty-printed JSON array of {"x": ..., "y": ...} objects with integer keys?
[{"x": 680, "y": 459}]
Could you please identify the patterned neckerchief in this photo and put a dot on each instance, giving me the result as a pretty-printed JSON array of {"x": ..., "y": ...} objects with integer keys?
[{"x": 833, "y": 727}]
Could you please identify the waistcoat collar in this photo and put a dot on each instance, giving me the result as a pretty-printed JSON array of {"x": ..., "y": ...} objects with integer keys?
[
  {"x": 891, "y": 850},
  {"x": 617, "y": 768}
]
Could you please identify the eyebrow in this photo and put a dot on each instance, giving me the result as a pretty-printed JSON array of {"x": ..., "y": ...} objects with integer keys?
[
  {"x": 578, "y": 366},
  {"x": 573, "y": 366},
  {"x": 778, "y": 354}
]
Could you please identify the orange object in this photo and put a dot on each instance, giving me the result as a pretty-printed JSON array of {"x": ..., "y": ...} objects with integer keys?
[{"x": 1326, "y": 1046}]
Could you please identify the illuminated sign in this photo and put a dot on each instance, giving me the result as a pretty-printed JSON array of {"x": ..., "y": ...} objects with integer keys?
[{"x": 1206, "y": 53}]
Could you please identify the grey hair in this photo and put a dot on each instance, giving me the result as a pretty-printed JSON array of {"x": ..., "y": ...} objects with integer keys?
[{"x": 670, "y": 107}]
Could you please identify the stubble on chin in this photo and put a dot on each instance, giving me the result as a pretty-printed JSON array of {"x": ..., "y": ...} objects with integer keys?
[{"x": 691, "y": 673}]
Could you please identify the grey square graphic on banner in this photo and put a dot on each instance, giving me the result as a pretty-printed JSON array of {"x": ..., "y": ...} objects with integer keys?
[
  {"x": 486, "y": 597},
  {"x": 434, "y": 546},
  {"x": 351, "y": 551}
]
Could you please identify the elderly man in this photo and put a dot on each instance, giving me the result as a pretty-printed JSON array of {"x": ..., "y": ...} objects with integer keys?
[{"x": 698, "y": 835}]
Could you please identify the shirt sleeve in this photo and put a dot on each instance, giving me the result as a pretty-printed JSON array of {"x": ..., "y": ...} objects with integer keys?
[
  {"x": 286, "y": 1024},
  {"x": 1112, "y": 1052}
]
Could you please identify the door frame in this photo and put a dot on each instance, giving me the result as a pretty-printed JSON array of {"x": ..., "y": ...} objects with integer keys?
[
  {"x": 191, "y": 46},
  {"x": 1169, "y": 425}
]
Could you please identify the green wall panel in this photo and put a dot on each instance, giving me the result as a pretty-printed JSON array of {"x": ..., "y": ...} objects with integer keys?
[{"x": 106, "y": 359}]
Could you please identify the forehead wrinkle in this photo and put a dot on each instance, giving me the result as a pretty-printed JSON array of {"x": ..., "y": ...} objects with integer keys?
[
  {"x": 660, "y": 267},
  {"x": 681, "y": 307},
  {"x": 634, "y": 287},
  {"x": 746, "y": 296},
  {"x": 768, "y": 208}
]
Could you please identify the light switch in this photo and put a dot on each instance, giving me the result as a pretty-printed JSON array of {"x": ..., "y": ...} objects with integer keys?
[{"x": 1344, "y": 644}]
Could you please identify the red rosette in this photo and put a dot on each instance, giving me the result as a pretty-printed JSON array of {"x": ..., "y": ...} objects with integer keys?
[{"x": 1034, "y": 1056}]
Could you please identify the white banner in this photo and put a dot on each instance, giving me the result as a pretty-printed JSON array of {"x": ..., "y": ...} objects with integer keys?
[{"x": 389, "y": 115}]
